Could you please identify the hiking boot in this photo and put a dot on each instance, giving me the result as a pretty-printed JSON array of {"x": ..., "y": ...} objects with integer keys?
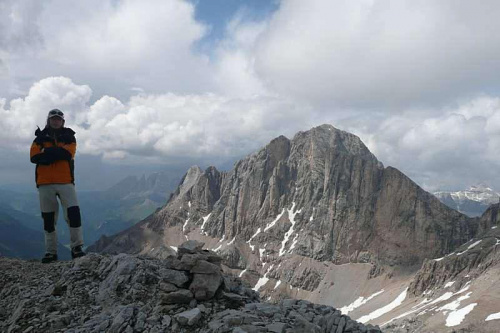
[
  {"x": 48, "y": 258},
  {"x": 77, "y": 252}
]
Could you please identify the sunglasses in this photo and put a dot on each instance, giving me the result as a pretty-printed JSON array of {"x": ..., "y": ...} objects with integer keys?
[{"x": 56, "y": 113}]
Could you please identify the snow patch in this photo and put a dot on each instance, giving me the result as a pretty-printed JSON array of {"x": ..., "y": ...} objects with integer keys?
[
  {"x": 291, "y": 217},
  {"x": 232, "y": 241},
  {"x": 452, "y": 306},
  {"x": 426, "y": 303},
  {"x": 242, "y": 272},
  {"x": 251, "y": 238},
  {"x": 464, "y": 289},
  {"x": 449, "y": 254},
  {"x": 494, "y": 227},
  {"x": 185, "y": 223},
  {"x": 389, "y": 307},
  {"x": 173, "y": 248},
  {"x": 263, "y": 280},
  {"x": 470, "y": 247},
  {"x": 449, "y": 284},
  {"x": 294, "y": 242},
  {"x": 270, "y": 225},
  {"x": 261, "y": 252},
  {"x": 277, "y": 284},
  {"x": 357, "y": 303},
  {"x": 473, "y": 244},
  {"x": 456, "y": 317},
  {"x": 493, "y": 316},
  {"x": 256, "y": 233},
  {"x": 205, "y": 219}
]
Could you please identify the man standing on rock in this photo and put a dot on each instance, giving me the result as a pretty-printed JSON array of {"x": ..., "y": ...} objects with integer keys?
[{"x": 53, "y": 152}]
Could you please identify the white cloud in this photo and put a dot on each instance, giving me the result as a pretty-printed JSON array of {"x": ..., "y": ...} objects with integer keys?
[
  {"x": 381, "y": 53},
  {"x": 371, "y": 54},
  {"x": 405, "y": 76},
  {"x": 151, "y": 126},
  {"x": 235, "y": 59},
  {"x": 22, "y": 115},
  {"x": 439, "y": 148},
  {"x": 112, "y": 45},
  {"x": 448, "y": 148}
]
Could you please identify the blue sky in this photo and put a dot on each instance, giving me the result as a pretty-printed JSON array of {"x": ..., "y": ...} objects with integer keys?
[{"x": 217, "y": 13}]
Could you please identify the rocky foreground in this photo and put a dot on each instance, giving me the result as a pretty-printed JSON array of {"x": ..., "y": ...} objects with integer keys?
[{"x": 129, "y": 293}]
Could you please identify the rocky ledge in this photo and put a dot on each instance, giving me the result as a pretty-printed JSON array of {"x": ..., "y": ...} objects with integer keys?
[{"x": 129, "y": 293}]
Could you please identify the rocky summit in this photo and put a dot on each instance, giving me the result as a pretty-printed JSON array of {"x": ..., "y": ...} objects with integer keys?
[
  {"x": 128, "y": 293},
  {"x": 318, "y": 218}
]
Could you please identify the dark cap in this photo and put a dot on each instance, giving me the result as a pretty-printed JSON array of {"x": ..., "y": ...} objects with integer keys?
[{"x": 55, "y": 113}]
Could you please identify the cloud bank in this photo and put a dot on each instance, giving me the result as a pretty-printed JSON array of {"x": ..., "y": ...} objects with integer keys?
[{"x": 416, "y": 81}]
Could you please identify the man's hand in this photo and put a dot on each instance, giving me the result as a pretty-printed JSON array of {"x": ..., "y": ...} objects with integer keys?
[
  {"x": 42, "y": 159},
  {"x": 57, "y": 153}
]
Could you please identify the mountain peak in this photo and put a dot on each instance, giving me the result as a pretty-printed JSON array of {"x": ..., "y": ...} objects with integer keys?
[
  {"x": 190, "y": 178},
  {"x": 481, "y": 187},
  {"x": 278, "y": 148},
  {"x": 327, "y": 138}
]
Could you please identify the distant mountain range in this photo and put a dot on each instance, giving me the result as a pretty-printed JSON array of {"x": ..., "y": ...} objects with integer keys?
[
  {"x": 103, "y": 213},
  {"x": 472, "y": 202}
]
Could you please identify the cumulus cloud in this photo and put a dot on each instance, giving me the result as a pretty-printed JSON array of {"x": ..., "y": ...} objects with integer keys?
[
  {"x": 448, "y": 148},
  {"x": 21, "y": 116},
  {"x": 235, "y": 59},
  {"x": 388, "y": 53},
  {"x": 112, "y": 45},
  {"x": 385, "y": 55},
  {"x": 151, "y": 126}
]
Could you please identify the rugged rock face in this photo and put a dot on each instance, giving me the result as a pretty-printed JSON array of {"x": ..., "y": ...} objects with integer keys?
[
  {"x": 321, "y": 195},
  {"x": 477, "y": 255},
  {"x": 489, "y": 219},
  {"x": 456, "y": 290},
  {"x": 127, "y": 293}
]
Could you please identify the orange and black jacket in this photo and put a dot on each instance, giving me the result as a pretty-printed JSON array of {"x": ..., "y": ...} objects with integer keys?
[{"x": 53, "y": 152}]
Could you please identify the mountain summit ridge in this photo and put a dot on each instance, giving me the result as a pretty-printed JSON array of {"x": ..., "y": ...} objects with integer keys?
[{"x": 343, "y": 195}]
